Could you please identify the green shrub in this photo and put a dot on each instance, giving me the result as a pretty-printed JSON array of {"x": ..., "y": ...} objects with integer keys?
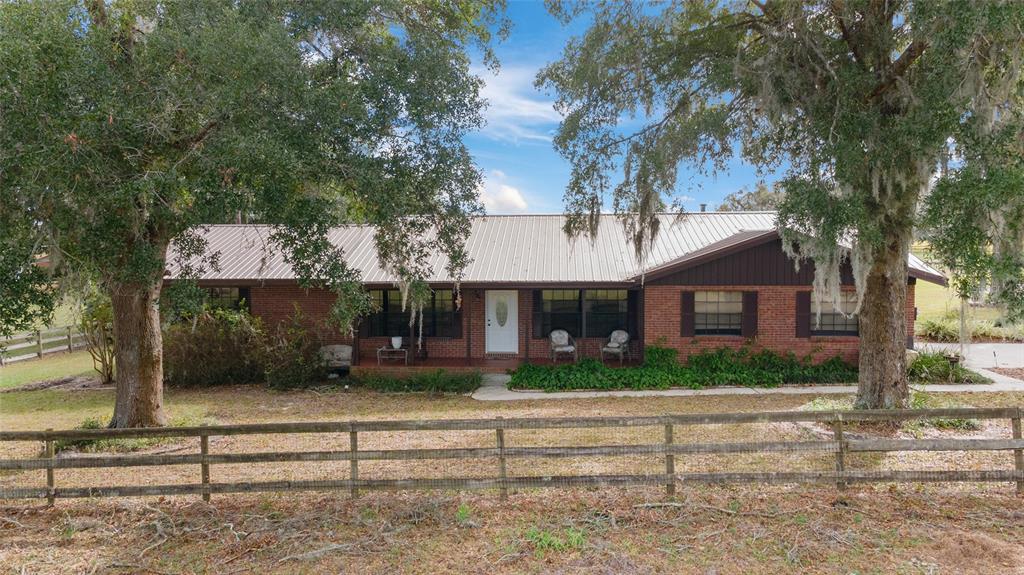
[
  {"x": 293, "y": 355},
  {"x": 946, "y": 328},
  {"x": 661, "y": 370},
  {"x": 439, "y": 381},
  {"x": 934, "y": 367},
  {"x": 217, "y": 347}
]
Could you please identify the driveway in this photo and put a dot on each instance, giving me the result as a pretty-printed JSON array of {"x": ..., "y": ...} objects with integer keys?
[{"x": 983, "y": 355}]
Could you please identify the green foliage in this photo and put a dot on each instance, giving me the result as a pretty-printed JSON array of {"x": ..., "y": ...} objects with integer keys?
[
  {"x": 439, "y": 381},
  {"x": 859, "y": 100},
  {"x": 946, "y": 328},
  {"x": 293, "y": 355},
  {"x": 119, "y": 444},
  {"x": 546, "y": 541},
  {"x": 219, "y": 347},
  {"x": 126, "y": 125},
  {"x": 464, "y": 514},
  {"x": 759, "y": 199},
  {"x": 661, "y": 370},
  {"x": 97, "y": 326},
  {"x": 934, "y": 367}
]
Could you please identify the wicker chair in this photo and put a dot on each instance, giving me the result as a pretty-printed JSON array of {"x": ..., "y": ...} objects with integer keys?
[
  {"x": 562, "y": 343},
  {"x": 617, "y": 344}
]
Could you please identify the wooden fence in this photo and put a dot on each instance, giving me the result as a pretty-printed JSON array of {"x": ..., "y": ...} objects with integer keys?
[
  {"x": 839, "y": 445},
  {"x": 34, "y": 344}
]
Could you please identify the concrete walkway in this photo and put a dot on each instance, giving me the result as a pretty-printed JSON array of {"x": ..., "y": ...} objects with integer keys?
[
  {"x": 495, "y": 388},
  {"x": 983, "y": 355}
]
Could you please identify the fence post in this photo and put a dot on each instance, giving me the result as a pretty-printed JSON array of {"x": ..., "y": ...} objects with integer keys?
[
  {"x": 502, "y": 469},
  {"x": 39, "y": 343},
  {"x": 670, "y": 462},
  {"x": 837, "y": 429},
  {"x": 50, "y": 482},
  {"x": 70, "y": 345},
  {"x": 204, "y": 467},
  {"x": 1018, "y": 454},
  {"x": 354, "y": 462}
]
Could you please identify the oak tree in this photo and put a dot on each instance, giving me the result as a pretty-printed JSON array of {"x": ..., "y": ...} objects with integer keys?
[
  {"x": 126, "y": 125},
  {"x": 854, "y": 100}
]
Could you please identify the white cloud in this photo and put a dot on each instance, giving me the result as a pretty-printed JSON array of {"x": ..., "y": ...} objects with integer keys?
[
  {"x": 500, "y": 198},
  {"x": 516, "y": 111}
]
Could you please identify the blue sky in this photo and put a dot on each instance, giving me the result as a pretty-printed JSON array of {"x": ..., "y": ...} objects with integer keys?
[{"x": 523, "y": 173}]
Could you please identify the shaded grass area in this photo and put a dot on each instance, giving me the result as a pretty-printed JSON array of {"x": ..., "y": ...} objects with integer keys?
[
  {"x": 125, "y": 444},
  {"x": 49, "y": 367},
  {"x": 439, "y": 381},
  {"x": 934, "y": 367},
  {"x": 918, "y": 400}
]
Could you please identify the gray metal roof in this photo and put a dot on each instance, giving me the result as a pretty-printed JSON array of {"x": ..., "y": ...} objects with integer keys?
[{"x": 504, "y": 249}]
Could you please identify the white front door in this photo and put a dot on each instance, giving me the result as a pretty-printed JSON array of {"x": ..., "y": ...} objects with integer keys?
[{"x": 502, "y": 335}]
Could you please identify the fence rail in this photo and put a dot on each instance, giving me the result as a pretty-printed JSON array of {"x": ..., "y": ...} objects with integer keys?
[
  {"x": 839, "y": 446},
  {"x": 41, "y": 342}
]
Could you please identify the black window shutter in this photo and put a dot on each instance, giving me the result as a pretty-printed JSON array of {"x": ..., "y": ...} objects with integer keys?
[
  {"x": 686, "y": 313},
  {"x": 538, "y": 314},
  {"x": 749, "y": 322},
  {"x": 803, "y": 314},
  {"x": 632, "y": 313}
]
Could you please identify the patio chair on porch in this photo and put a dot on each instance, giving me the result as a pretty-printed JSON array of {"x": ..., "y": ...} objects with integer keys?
[
  {"x": 617, "y": 344},
  {"x": 562, "y": 343}
]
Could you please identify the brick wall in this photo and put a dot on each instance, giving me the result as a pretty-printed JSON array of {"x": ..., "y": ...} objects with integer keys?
[
  {"x": 661, "y": 309},
  {"x": 276, "y": 304},
  {"x": 776, "y": 323}
]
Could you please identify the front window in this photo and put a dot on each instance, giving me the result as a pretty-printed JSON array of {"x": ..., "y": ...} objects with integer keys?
[
  {"x": 827, "y": 319},
  {"x": 560, "y": 309},
  {"x": 607, "y": 311},
  {"x": 235, "y": 298},
  {"x": 718, "y": 313},
  {"x": 440, "y": 318}
]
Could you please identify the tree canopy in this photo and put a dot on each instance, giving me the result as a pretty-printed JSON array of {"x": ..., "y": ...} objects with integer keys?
[
  {"x": 857, "y": 99},
  {"x": 127, "y": 125},
  {"x": 759, "y": 199}
]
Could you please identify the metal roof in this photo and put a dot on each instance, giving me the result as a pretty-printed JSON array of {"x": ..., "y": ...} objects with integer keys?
[{"x": 504, "y": 249}]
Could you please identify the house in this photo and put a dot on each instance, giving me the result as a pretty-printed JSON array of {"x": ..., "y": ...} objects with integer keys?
[{"x": 713, "y": 279}]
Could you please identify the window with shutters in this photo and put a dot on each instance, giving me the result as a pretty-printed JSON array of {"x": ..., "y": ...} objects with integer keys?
[
  {"x": 718, "y": 313},
  {"x": 835, "y": 320}
]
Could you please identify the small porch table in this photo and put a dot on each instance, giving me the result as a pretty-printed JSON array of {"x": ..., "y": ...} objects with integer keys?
[{"x": 392, "y": 353}]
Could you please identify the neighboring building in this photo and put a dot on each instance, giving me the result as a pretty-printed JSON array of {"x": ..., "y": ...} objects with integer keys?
[{"x": 713, "y": 280}]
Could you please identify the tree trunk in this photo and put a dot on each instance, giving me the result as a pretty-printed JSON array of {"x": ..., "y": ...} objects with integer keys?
[
  {"x": 138, "y": 349},
  {"x": 883, "y": 330}
]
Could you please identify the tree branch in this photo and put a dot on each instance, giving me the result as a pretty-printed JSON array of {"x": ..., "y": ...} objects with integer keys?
[{"x": 900, "y": 67}]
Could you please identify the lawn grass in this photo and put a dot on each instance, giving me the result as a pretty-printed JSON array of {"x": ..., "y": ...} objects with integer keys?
[
  {"x": 735, "y": 529},
  {"x": 48, "y": 367}
]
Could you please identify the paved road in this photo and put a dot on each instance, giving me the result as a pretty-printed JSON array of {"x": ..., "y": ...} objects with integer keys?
[
  {"x": 984, "y": 355},
  {"x": 495, "y": 388}
]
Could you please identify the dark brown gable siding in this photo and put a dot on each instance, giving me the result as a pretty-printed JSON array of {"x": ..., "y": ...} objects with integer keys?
[{"x": 765, "y": 264}]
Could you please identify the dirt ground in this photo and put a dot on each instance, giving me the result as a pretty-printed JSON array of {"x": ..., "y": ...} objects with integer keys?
[
  {"x": 928, "y": 528},
  {"x": 1014, "y": 372}
]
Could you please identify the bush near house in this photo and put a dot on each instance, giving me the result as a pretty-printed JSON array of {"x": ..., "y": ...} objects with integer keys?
[
  {"x": 217, "y": 347},
  {"x": 764, "y": 368},
  {"x": 662, "y": 370}
]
